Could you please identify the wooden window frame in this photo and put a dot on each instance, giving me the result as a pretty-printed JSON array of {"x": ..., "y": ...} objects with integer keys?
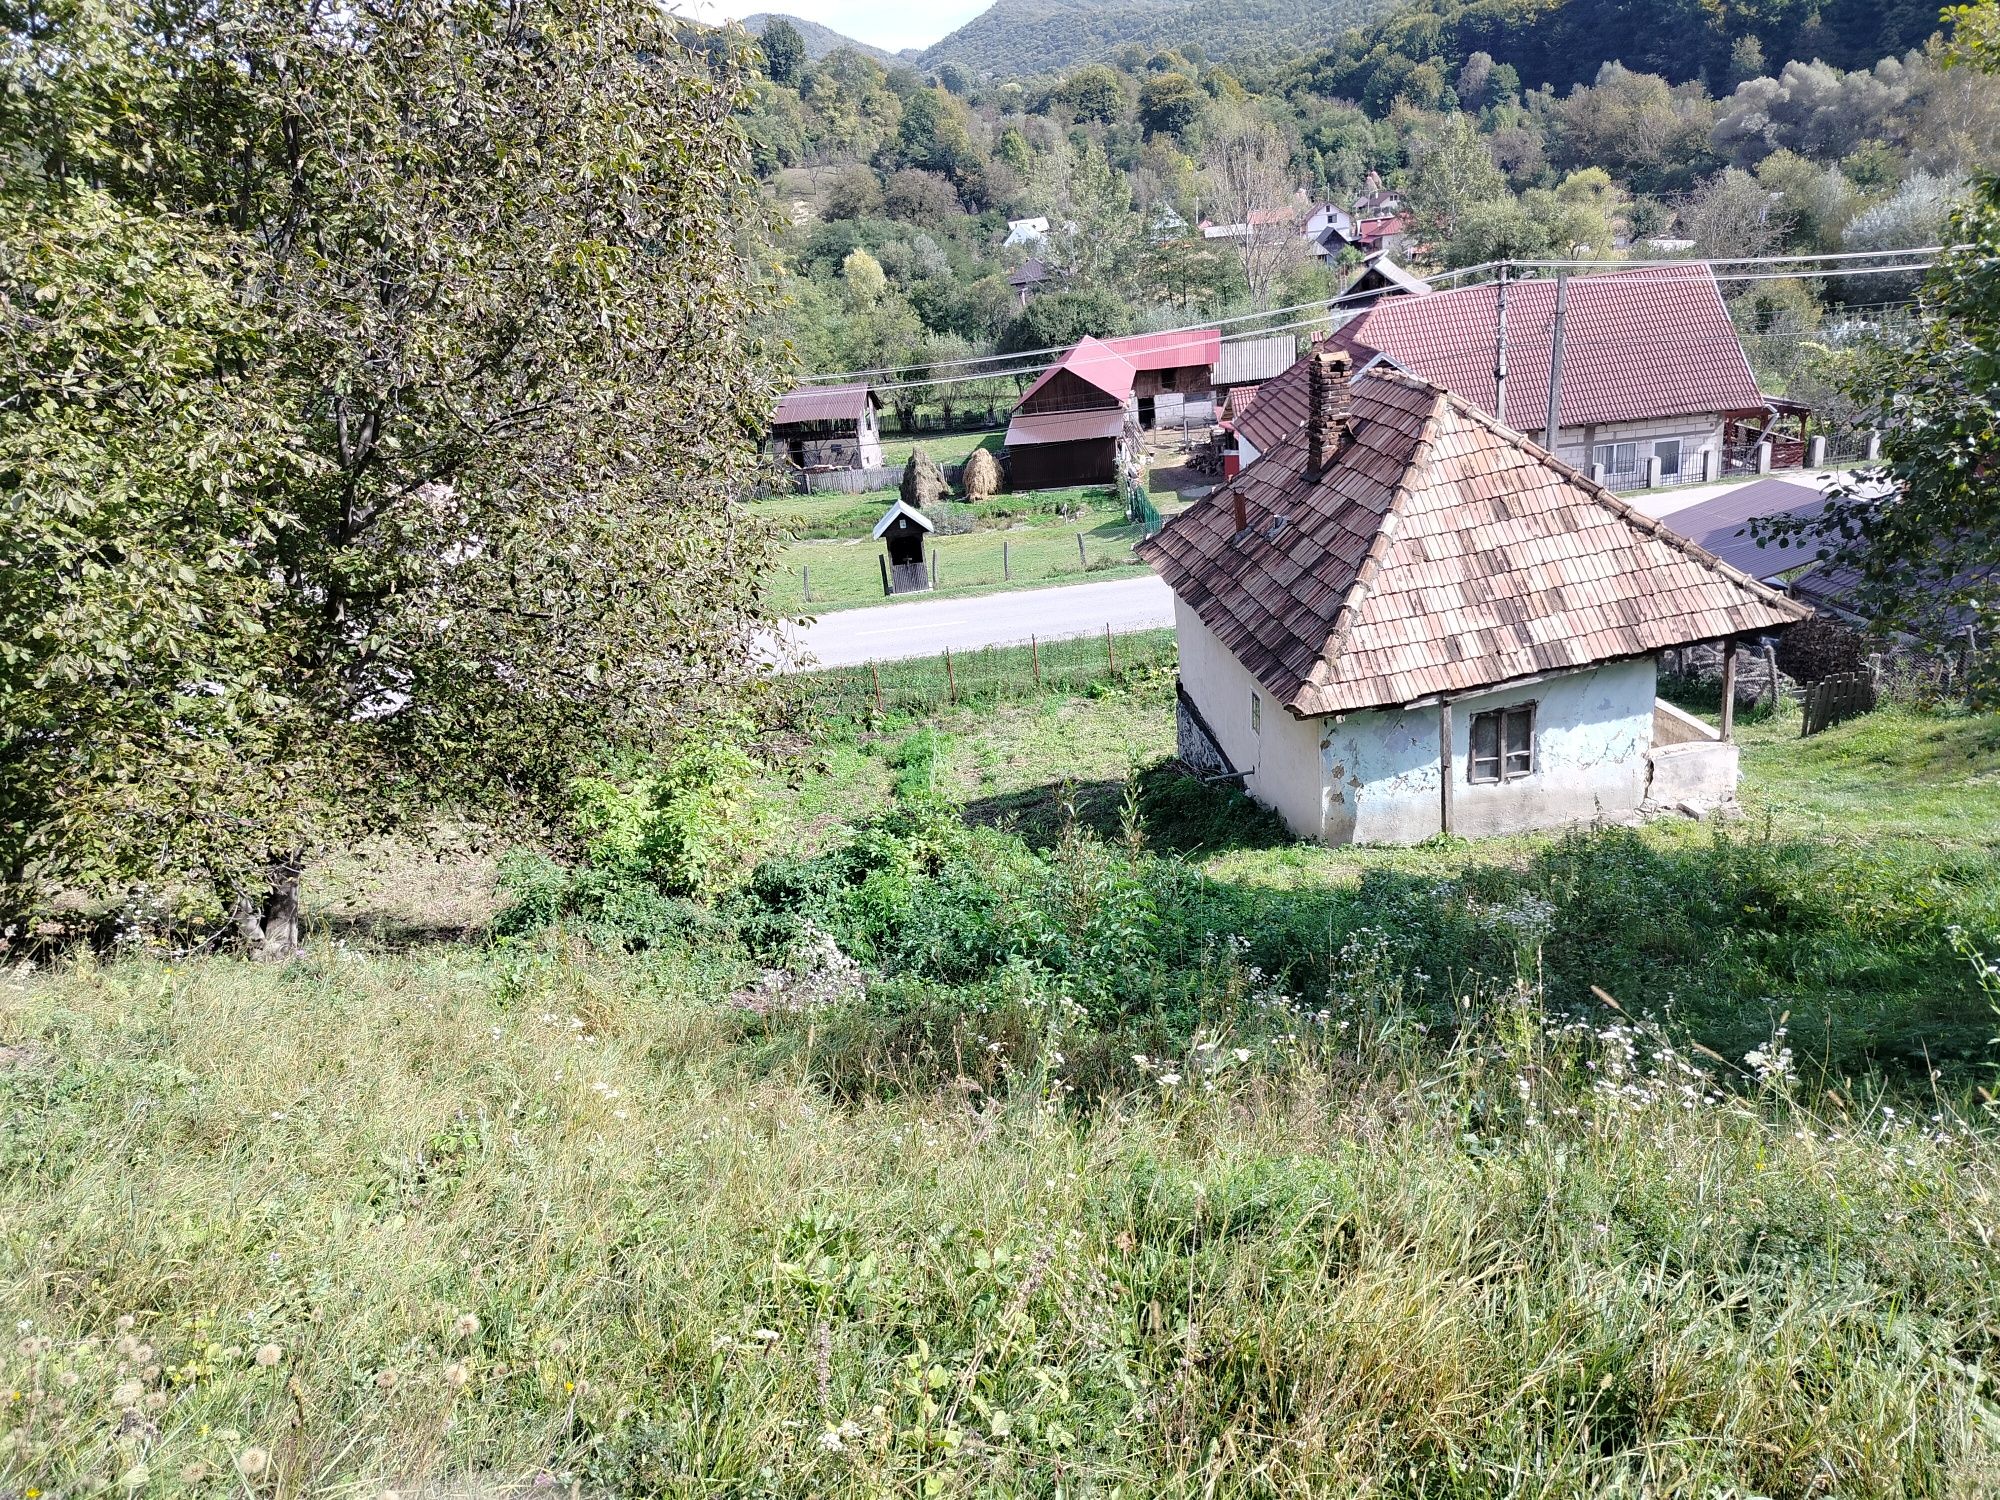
[
  {"x": 1256, "y": 712},
  {"x": 1499, "y": 767}
]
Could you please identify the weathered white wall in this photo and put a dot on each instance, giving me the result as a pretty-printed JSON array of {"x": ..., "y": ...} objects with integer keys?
[
  {"x": 1592, "y": 732},
  {"x": 1282, "y": 761},
  {"x": 1372, "y": 777}
]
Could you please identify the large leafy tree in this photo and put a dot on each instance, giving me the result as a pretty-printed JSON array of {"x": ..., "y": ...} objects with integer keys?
[
  {"x": 1931, "y": 550},
  {"x": 416, "y": 497}
]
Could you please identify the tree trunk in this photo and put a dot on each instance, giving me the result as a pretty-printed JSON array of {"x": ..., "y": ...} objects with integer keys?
[{"x": 269, "y": 931}]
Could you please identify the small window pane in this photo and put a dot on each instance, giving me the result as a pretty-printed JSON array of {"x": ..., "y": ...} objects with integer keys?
[
  {"x": 1256, "y": 714},
  {"x": 1520, "y": 741},
  {"x": 1668, "y": 452},
  {"x": 1484, "y": 761}
]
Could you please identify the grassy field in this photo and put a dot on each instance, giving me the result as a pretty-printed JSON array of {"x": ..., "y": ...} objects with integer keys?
[
  {"x": 1145, "y": 1152},
  {"x": 1018, "y": 541},
  {"x": 945, "y": 447}
]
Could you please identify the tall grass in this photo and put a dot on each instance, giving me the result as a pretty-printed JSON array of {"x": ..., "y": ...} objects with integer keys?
[{"x": 544, "y": 1215}]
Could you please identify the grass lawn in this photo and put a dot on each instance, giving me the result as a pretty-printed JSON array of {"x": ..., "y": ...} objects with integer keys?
[
  {"x": 1019, "y": 534},
  {"x": 945, "y": 447}
]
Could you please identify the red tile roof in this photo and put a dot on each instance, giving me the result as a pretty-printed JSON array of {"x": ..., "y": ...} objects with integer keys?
[
  {"x": 1439, "y": 553},
  {"x": 822, "y": 403},
  {"x": 1636, "y": 345}
]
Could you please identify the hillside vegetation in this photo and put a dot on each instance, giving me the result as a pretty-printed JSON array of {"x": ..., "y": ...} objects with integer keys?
[
  {"x": 820, "y": 41},
  {"x": 1013, "y": 38},
  {"x": 1136, "y": 1150}
]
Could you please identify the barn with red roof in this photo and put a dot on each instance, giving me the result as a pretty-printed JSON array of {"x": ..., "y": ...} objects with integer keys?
[{"x": 1079, "y": 422}]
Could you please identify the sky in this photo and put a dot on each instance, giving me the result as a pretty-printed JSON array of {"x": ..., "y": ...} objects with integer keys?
[{"x": 889, "y": 24}]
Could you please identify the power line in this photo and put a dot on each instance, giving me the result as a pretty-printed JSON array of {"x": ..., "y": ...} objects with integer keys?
[
  {"x": 1335, "y": 303},
  {"x": 1704, "y": 277}
]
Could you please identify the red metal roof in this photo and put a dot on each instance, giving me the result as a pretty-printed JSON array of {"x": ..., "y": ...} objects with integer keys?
[
  {"x": 1030, "y": 427},
  {"x": 1636, "y": 345},
  {"x": 822, "y": 403},
  {"x": 1093, "y": 362},
  {"x": 1168, "y": 351}
]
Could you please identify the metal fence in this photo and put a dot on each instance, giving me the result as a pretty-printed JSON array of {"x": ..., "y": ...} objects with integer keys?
[{"x": 989, "y": 674}]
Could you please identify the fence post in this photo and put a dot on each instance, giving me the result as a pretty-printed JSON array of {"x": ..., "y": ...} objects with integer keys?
[
  {"x": 1006, "y": 562},
  {"x": 1816, "y": 451},
  {"x": 806, "y": 572},
  {"x": 1597, "y": 473},
  {"x": 1771, "y": 669},
  {"x": 1653, "y": 472},
  {"x": 950, "y": 682},
  {"x": 1081, "y": 561},
  {"x": 1111, "y": 653},
  {"x": 1764, "y": 457},
  {"x": 883, "y": 559},
  {"x": 933, "y": 567},
  {"x": 875, "y": 675},
  {"x": 1708, "y": 466},
  {"x": 1035, "y": 649},
  {"x": 1971, "y": 649},
  {"x": 1874, "y": 446},
  {"x": 1728, "y": 690}
]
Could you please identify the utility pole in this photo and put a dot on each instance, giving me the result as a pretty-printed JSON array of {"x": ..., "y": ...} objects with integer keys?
[
  {"x": 1556, "y": 364},
  {"x": 1500, "y": 351}
]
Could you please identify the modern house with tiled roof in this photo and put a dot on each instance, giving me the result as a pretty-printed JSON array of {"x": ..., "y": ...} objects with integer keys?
[
  {"x": 1408, "y": 618},
  {"x": 1080, "y": 420},
  {"x": 1651, "y": 369},
  {"x": 822, "y": 427}
]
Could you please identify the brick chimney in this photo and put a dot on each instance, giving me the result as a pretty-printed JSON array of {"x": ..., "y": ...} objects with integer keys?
[{"x": 1326, "y": 408}]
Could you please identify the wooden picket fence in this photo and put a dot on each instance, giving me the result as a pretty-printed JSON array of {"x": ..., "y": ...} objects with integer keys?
[{"x": 1832, "y": 700}]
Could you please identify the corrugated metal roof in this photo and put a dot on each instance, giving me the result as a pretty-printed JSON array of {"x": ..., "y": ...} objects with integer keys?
[
  {"x": 1439, "y": 552},
  {"x": 1722, "y": 525},
  {"x": 1245, "y": 360},
  {"x": 1168, "y": 351},
  {"x": 1093, "y": 362},
  {"x": 1029, "y": 428},
  {"x": 822, "y": 403}
]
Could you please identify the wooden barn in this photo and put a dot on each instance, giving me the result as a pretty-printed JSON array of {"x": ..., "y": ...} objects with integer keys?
[
  {"x": 821, "y": 427},
  {"x": 1079, "y": 422}
]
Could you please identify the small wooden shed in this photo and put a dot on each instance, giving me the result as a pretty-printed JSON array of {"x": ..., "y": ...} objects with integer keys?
[{"x": 903, "y": 528}]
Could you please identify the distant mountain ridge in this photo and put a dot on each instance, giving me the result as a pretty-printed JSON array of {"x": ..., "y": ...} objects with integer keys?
[
  {"x": 821, "y": 40},
  {"x": 1013, "y": 37}
]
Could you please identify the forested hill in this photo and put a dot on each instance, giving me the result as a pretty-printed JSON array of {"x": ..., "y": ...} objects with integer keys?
[
  {"x": 1021, "y": 37},
  {"x": 820, "y": 40},
  {"x": 1563, "y": 42}
]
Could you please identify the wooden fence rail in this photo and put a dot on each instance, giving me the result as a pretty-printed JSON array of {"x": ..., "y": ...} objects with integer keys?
[{"x": 1834, "y": 699}]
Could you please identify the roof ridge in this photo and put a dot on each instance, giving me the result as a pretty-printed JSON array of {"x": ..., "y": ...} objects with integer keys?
[
  {"x": 1652, "y": 526},
  {"x": 1360, "y": 590}
]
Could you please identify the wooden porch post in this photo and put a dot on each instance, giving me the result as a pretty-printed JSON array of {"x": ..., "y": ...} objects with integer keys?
[
  {"x": 1444, "y": 765},
  {"x": 1729, "y": 689}
]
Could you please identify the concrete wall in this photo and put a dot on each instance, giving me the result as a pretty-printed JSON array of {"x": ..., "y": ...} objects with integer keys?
[
  {"x": 1592, "y": 732},
  {"x": 1700, "y": 433},
  {"x": 1693, "y": 776},
  {"x": 1280, "y": 758}
]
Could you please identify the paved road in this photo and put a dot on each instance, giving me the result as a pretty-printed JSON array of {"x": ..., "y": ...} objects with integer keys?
[{"x": 887, "y": 632}]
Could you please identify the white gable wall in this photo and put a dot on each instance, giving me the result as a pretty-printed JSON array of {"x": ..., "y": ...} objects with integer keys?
[{"x": 1281, "y": 758}]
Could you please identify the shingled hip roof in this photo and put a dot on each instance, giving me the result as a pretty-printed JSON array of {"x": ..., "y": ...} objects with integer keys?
[{"x": 1439, "y": 553}]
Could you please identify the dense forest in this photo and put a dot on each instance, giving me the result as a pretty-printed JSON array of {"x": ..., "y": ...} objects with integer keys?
[{"x": 896, "y": 184}]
